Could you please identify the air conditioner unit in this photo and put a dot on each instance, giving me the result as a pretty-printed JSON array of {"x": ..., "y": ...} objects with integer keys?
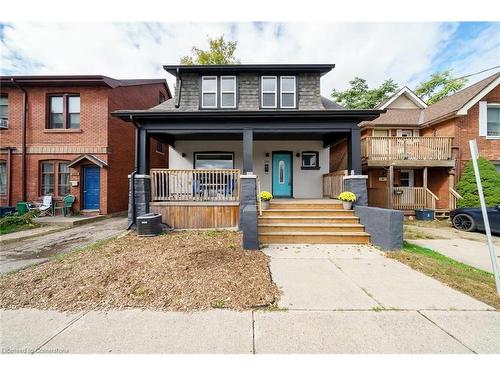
[{"x": 4, "y": 123}]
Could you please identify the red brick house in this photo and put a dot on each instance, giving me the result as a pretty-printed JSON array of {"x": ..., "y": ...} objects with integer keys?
[
  {"x": 58, "y": 138},
  {"x": 414, "y": 154}
]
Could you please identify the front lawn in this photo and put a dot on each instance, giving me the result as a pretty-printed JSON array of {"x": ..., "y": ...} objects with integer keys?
[
  {"x": 14, "y": 222},
  {"x": 469, "y": 280},
  {"x": 189, "y": 270}
]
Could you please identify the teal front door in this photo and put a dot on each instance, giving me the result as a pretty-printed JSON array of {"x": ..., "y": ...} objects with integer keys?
[{"x": 282, "y": 175}]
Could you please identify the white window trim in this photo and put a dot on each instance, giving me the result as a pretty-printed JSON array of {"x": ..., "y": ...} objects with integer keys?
[
  {"x": 208, "y": 92},
  {"x": 492, "y": 105},
  {"x": 275, "y": 92},
  {"x": 294, "y": 92},
  {"x": 228, "y": 92}
]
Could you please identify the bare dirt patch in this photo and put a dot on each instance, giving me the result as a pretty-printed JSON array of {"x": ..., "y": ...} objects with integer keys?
[{"x": 190, "y": 270}]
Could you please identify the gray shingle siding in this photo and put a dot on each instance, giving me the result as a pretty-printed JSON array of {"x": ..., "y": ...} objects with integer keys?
[{"x": 308, "y": 93}]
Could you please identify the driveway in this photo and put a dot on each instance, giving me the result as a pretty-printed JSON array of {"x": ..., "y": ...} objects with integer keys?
[
  {"x": 26, "y": 252},
  {"x": 467, "y": 247},
  {"x": 336, "y": 299}
]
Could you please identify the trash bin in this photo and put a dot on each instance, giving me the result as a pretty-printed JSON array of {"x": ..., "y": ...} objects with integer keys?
[
  {"x": 149, "y": 224},
  {"x": 22, "y": 207},
  {"x": 424, "y": 214}
]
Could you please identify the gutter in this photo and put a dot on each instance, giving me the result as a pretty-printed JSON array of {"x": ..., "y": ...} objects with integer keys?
[{"x": 23, "y": 140}]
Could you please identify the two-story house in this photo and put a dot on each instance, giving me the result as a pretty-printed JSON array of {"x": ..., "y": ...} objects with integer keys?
[
  {"x": 233, "y": 129},
  {"x": 414, "y": 154},
  {"x": 58, "y": 138}
]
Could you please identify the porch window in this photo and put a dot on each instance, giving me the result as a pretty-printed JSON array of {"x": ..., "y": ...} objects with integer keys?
[
  {"x": 228, "y": 92},
  {"x": 4, "y": 111},
  {"x": 214, "y": 160},
  {"x": 310, "y": 160},
  {"x": 50, "y": 172},
  {"x": 64, "y": 112},
  {"x": 209, "y": 92},
  {"x": 493, "y": 121},
  {"x": 269, "y": 90},
  {"x": 3, "y": 178},
  {"x": 288, "y": 92}
]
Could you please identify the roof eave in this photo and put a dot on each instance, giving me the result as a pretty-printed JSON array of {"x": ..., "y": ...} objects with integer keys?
[{"x": 321, "y": 68}]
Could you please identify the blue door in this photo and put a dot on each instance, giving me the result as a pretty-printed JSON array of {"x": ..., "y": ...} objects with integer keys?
[
  {"x": 91, "y": 187},
  {"x": 282, "y": 175}
]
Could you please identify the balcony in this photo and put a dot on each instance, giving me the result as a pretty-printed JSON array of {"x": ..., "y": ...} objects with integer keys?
[{"x": 407, "y": 151}]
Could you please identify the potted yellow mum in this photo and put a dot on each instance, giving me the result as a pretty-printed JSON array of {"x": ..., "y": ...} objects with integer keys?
[
  {"x": 265, "y": 198},
  {"x": 347, "y": 198}
]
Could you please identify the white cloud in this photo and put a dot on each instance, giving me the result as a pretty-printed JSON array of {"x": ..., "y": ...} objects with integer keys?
[{"x": 404, "y": 52}]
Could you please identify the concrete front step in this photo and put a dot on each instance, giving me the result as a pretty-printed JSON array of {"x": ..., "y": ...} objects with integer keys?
[
  {"x": 320, "y": 204},
  {"x": 308, "y": 219},
  {"x": 314, "y": 238},
  {"x": 305, "y": 212},
  {"x": 308, "y": 227}
]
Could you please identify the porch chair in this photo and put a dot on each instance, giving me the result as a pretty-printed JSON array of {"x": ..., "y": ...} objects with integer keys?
[
  {"x": 45, "y": 207},
  {"x": 67, "y": 205}
]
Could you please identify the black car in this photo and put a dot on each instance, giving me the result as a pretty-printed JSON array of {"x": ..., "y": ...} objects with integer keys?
[{"x": 471, "y": 219}]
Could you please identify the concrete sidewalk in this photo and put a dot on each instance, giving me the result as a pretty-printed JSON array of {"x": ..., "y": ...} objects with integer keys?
[
  {"x": 224, "y": 331},
  {"x": 471, "y": 252},
  {"x": 336, "y": 299}
]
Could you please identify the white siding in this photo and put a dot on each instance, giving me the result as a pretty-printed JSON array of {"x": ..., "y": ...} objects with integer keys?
[{"x": 306, "y": 183}]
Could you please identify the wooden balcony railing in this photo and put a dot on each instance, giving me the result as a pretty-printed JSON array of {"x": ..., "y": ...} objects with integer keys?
[
  {"x": 406, "y": 148},
  {"x": 333, "y": 183},
  {"x": 402, "y": 198},
  {"x": 195, "y": 184}
]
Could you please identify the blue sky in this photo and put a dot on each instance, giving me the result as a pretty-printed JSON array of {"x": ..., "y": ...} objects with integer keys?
[{"x": 406, "y": 52}]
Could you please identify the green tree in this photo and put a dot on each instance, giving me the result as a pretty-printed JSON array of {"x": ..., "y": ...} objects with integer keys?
[
  {"x": 490, "y": 179},
  {"x": 220, "y": 51},
  {"x": 361, "y": 96},
  {"x": 438, "y": 86}
]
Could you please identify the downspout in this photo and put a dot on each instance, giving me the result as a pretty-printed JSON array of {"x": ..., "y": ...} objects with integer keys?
[
  {"x": 23, "y": 140},
  {"x": 136, "y": 167},
  {"x": 9, "y": 175}
]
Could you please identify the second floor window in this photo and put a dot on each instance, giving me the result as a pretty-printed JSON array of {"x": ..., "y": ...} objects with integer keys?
[
  {"x": 4, "y": 111},
  {"x": 493, "y": 121},
  {"x": 269, "y": 88},
  {"x": 64, "y": 112},
  {"x": 287, "y": 92},
  {"x": 228, "y": 92},
  {"x": 209, "y": 92}
]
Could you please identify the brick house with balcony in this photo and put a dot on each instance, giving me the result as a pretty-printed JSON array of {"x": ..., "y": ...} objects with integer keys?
[
  {"x": 58, "y": 138},
  {"x": 414, "y": 154}
]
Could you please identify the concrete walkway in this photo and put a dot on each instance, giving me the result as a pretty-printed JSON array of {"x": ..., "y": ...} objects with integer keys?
[
  {"x": 28, "y": 251},
  {"x": 337, "y": 299},
  {"x": 471, "y": 252}
]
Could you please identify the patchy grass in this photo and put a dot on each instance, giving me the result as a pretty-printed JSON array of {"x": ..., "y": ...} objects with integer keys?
[
  {"x": 188, "y": 270},
  {"x": 469, "y": 280},
  {"x": 4, "y": 229},
  {"x": 412, "y": 233}
]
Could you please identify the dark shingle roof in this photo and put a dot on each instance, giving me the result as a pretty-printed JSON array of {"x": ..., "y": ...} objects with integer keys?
[{"x": 330, "y": 104}]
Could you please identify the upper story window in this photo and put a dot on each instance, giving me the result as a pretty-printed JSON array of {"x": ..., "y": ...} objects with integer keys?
[
  {"x": 493, "y": 125},
  {"x": 288, "y": 92},
  {"x": 228, "y": 91},
  {"x": 209, "y": 92},
  {"x": 64, "y": 111},
  {"x": 4, "y": 111},
  {"x": 269, "y": 92}
]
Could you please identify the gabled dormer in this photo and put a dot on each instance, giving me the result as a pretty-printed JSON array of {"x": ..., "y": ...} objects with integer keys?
[{"x": 248, "y": 87}]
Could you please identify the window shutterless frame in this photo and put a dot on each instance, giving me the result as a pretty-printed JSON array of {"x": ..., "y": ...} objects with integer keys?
[
  {"x": 206, "y": 91},
  {"x": 67, "y": 114},
  {"x": 227, "y": 91},
  {"x": 263, "y": 91},
  {"x": 285, "y": 91}
]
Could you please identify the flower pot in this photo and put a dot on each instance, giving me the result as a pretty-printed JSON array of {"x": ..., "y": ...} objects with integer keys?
[
  {"x": 347, "y": 205},
  {"x": 265, "y": 205}
]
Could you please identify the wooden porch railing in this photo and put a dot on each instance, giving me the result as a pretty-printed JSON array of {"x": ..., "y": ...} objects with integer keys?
[
  {"x": 195, "y": 184},
  {"x": 406, "y": 148},
  {"x": 403, "y": 198},
  {"x": 453, "y": 198},
  {"x": 333, "y": 183}
]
